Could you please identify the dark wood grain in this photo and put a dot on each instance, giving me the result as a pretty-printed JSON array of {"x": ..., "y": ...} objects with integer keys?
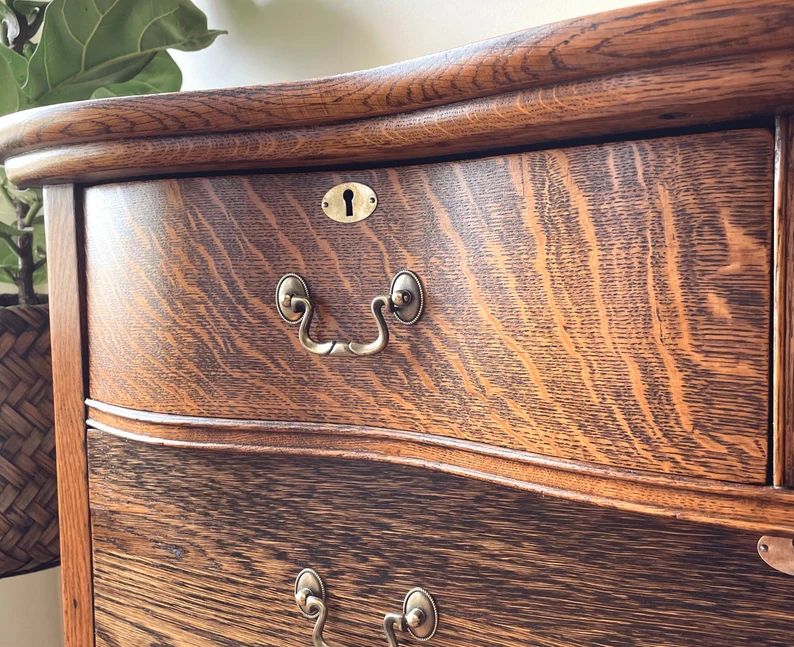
[
  {"x": 651, "y": 35},
  {"x": 699, "y": 93},
  {"x": 603, "y": 303},
  {"x": 608, "y": 324},
  {"x": 761, "y": 509},
  {"x": 66, "y": 311},
  {"x": 200, "y": 549}
]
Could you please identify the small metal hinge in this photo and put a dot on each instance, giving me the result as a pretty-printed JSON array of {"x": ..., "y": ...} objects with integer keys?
[{"x": 778, "y": 552}]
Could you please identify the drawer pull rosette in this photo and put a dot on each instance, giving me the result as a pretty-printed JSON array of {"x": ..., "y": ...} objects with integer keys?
[
  {"x": 405, "y": 300},
  {"x": 419, "y": 617}
]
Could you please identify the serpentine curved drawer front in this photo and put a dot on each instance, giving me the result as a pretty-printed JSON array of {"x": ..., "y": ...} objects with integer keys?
[
  {"x": 201, "y": 549},
  {"x": 608, "y": 304}
]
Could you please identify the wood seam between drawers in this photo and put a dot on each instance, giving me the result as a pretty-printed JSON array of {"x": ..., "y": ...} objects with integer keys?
[
  {"x": 783, "y": 287},
  {"x": 755, "y": 508}
]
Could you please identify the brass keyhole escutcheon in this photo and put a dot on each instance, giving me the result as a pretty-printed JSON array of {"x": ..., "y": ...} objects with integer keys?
[
  {"x": 349, "y": 202},
  {"x": 347, "y": 196}
]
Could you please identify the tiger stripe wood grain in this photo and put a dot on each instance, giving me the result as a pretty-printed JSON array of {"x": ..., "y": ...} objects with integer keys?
[
  {"x": 201, "y": 549},
  {"x": 601, "y": 303},
  {"x": 608, "y": 324},
  {"x": 649, "y": 36},
  {"x": 700, "y": 93}
]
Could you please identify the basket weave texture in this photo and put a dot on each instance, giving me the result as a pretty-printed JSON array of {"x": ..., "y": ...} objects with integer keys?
[{"x": 28, "y": 493}]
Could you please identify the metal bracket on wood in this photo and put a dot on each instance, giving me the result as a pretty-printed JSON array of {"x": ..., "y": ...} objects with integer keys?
[{"x": 778, "y": 552}]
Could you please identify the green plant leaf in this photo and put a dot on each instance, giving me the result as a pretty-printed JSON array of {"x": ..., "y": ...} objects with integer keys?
[
  {"x": 8, "y": 271},
  {"x": 26, "y": 196},
  {"x": 9, "y": 260},
  {"x": 162, "y": 74},
  {"x": 90, "y": 44},
  {"x": 9, "y": 192},
  {"x": 27, "y": 7},
  {"x": 8, "y": 212},
  {"x": 87, "y": 48},
  {"x": 40, "y": 275},
  {"x": 13, "y": 72},
  {"x": 8, "y": 230},
  {"x": 9, "y": 25}
]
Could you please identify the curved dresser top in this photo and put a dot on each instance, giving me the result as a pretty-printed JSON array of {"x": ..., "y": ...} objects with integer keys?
[{"x": 653, "y": 66}]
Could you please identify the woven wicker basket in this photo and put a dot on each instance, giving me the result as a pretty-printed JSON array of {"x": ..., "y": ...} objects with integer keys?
[{"x": 28, "y": 496}]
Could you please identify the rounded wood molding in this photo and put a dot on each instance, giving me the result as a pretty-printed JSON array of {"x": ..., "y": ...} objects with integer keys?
[
  {"x": 671, "y": 63},
  {"x": 648, "y": 101},
  {"x": 747, "y": 507}
]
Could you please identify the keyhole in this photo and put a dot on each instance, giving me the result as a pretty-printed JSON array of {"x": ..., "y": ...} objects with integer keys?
[{"x": 347, "y": 196}]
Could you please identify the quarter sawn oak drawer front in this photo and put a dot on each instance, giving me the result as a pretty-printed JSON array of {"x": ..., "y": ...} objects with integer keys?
[
  {"x": 201, "y": 548},
  {"x": 585, "y": 440},
  {"x": 607, "y": 304}
]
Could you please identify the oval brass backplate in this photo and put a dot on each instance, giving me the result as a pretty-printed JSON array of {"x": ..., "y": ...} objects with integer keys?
[
  {"x": 308, "y": 579},
  {"x": 406, "y": 281},
  {"x": 421, "y": 600},
  {"x": 290, "y": 285},
  {"x": 349, "y": 202}
]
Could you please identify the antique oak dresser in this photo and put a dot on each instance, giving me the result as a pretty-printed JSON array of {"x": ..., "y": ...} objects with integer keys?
[{"x": 489, "y": 348}]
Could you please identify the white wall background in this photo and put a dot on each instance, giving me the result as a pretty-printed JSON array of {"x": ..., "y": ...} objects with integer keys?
[{"x": 287, "y": 40}]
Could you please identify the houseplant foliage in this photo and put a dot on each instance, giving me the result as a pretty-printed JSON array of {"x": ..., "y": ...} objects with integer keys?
[
  {"x": 51, "y": 52},
  {"x": 67, "y": 50}
]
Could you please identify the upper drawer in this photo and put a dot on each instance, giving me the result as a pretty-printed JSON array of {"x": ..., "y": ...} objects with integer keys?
[{"x": 605, "y": 303}]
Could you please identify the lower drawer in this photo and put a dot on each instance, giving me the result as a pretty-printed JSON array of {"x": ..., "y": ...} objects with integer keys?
[{"x": 201, "y": 548}]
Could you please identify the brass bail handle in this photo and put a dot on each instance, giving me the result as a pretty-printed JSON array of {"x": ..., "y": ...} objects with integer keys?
[
  {"x": 419, "y": 617},
  {"x": 405, "y": 300}
]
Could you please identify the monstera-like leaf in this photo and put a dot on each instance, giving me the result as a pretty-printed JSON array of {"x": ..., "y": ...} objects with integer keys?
[{"x": 94, "y": 47}]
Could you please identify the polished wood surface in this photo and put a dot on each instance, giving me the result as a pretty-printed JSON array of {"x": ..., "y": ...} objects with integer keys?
[
  {"x": 698, "y": 93},
  {"x": 66, "y": 310},
  {"x": 201, "y": 549},
  {"x": 747, "y": 507},
  {"x": 600, "y": 211},
  {"x": 783, "y": 321},
  {"x": 607, "y": 303},
  {"x": 648, "y": 36}
]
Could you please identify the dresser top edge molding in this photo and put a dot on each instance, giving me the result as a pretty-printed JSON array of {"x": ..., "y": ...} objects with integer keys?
[{"x": 661, "y": 65}]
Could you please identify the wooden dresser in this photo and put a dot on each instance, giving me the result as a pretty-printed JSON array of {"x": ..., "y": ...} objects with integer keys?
[{"x": 491, "y": 348}]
